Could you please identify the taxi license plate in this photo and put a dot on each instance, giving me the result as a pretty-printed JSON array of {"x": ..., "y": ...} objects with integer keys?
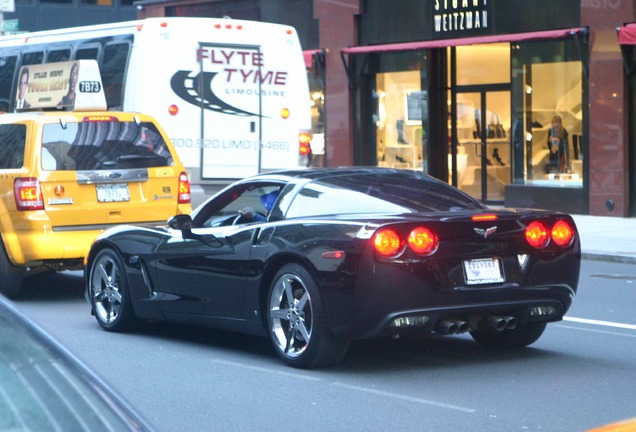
[
  {"x": 483, "y": 271},
  {"x": 116, "y": 192}
]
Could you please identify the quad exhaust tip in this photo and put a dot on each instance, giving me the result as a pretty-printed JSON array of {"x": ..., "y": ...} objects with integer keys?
[
  {"x": 501, "y": 323},
  {"x": 452, "y": 327}
]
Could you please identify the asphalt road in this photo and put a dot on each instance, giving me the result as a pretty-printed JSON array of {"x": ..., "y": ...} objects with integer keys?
[{"x": 579, "y": 375}]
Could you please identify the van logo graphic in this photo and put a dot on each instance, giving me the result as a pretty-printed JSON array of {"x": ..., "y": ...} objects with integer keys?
[
  {"x": 187, "y": 88},
  {"x": 485, "y": 232}
]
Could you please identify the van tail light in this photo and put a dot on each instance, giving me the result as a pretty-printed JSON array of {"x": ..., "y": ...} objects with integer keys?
[
  {"x": 537, "y": 235},
  {"x": 185, "y": 196},
  {"x": 28, "y": 194},
  {"x": 562, "y": 233},
  {"x": 423, "y": 241},
  {"x": 304, "y": 139}
]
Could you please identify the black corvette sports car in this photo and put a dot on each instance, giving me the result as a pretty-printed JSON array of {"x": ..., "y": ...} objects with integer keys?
[{"x": 316, "y": 258}]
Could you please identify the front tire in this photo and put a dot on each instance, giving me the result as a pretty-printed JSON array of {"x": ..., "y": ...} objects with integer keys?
[
  {"x": 297, "y": 321},
  {"x": 519, "y": 337},
  {"x": 109, "y": 293},
  {"x": 10, "y": 275}
]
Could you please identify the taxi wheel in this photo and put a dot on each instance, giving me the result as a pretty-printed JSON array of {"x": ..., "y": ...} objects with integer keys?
[
  {"x": 297, "y": 321},
  {"x": 109, "y": 293},
  {"x": 519, "y": 337},
  {"x": 10, "y": 275}
]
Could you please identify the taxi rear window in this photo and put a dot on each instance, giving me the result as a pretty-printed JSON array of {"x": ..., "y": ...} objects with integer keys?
[{"x": 103, "y": 145}]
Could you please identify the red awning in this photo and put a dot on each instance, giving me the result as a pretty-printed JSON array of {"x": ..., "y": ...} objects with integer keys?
[
  {"x": 627, "y": 34},
  {"x": 443, "y": 43},
  {"x": 309, "y": 57}
]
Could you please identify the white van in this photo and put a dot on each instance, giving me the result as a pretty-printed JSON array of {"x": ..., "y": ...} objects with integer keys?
[{"x": 232, "y": 95}]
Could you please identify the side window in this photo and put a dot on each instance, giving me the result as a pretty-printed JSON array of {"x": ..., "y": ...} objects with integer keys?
[
  {"x": 12, "y": 144},
  {"x": 317, "y": 199},
  {"x": 7, "y": 72},
  {"x": 113, "y": 69},
  {"x": 58, "y": 55},
  {"x": 260, "y": 198},
  {"x": 88, "y": 53},
  {"x": 32, "y": 58}
]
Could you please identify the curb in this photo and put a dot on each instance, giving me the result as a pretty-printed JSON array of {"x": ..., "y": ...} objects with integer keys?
[{"x": 597, "y": 256}]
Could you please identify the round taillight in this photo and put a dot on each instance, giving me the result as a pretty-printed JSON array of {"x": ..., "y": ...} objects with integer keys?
[
  {"x": 173, "y": 110},
  {"x": 562, "y": 233},
  {"x": 388, "y": 242},
  {"x": 537, "y": 235},
  {"x": 284, "y": 113},
  {"x": 423, "y": 241}
]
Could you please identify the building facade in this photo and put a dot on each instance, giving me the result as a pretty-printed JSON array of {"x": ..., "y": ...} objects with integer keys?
[{"x": 518, "y": 103}]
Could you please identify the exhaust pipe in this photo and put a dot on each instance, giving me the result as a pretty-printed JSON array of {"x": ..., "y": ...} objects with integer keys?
[
  {"x": 452, "y": 327},
  {"x": 464, "y": 327},
  {"x": 447, "y": 327},
  {"x": 501, "y": 323}
]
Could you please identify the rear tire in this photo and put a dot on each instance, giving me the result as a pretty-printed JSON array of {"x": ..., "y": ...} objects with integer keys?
[
  {"x": 297, "y": 321},
  {"x": 10, "y": 275},
  {"x": 109, "y": 293},
  {"x": 519, "y": 337}
]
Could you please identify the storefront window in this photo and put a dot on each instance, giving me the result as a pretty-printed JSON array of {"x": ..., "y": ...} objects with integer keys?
[
  {"x": 401, "y": 118},
  {"x": 481, "y": 127},
  {"x": 548, "y": 107}
]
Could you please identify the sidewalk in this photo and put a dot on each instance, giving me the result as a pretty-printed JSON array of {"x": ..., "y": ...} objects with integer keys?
[{"x": 607, "y": 238}]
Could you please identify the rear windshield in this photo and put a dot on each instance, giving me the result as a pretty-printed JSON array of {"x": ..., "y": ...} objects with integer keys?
[
  {"x": 399, "y": 192},
  {"x": 103, "y": 145}
]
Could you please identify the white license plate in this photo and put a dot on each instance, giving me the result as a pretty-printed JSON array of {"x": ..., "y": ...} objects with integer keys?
[
  {"x": 115, "y": 192},
  {"x": 483, "y": 271}
]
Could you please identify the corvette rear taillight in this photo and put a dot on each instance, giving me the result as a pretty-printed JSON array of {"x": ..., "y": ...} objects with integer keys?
[
  {"x": 562, "y": 233},
  {"x": 423, "y": 241},
  {"x": 537, "y": 235},
  {"x": 184, "y": 189},
  {"x": 388, "y": 242},
  {"x": 28, "y": 194}
]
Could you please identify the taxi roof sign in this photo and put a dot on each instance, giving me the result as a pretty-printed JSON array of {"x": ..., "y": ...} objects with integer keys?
[{"x": 72, "y": 86}]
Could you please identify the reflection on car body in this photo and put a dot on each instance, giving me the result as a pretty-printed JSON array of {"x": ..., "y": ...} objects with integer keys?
[
  {"x": 44, "y": 388},
  {"x": 344, "y": 254}
]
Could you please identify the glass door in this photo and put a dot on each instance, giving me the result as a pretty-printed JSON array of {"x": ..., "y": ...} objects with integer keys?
[{"x": 482, "y": 144}]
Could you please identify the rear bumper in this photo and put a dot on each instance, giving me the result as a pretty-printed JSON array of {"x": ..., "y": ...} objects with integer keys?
[
  {"x": 32, "y": 247},
  {"x": 369, "y": 303}
]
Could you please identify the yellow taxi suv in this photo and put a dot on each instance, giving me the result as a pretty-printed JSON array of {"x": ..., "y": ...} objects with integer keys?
[{"x": 69, "y": 169}]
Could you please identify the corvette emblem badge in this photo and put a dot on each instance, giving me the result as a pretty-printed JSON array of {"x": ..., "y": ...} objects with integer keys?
[{"x": 485, "y": 232}]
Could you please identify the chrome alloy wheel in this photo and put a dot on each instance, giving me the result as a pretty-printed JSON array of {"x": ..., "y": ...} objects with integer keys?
[
  {"x": 290, "y": 316},
  {"x": 104, "y": 289}
]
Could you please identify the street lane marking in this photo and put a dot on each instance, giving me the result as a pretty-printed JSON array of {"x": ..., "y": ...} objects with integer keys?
[
  {"x": 406, "y": 398},
  {"x": 264, "y": 369},
  {"x": 601, "y": 323},
  {"x": 613, "y": 333}
]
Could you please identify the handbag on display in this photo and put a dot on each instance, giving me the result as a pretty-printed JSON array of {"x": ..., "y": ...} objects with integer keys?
[{"x": 495, "y": 128}]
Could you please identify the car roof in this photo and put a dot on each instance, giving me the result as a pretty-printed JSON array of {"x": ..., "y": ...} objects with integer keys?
[{"x": 322, "y": 173}]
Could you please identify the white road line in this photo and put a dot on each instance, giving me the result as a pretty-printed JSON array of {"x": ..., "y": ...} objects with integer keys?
[
  {"x": 613, "y": 333},
  {"x": 406, "y": 398},
  {"x": 601, "y": 323},
  {"x": 264, "y": 369}
]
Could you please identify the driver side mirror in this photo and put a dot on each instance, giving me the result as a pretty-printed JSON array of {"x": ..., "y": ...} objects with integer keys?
[{"x": 183, "y": 223}]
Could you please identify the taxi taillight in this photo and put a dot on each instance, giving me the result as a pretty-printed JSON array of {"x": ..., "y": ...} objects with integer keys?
[
  {"x": 28, "y": 194},
  {"x": 185, "y": 196}
]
